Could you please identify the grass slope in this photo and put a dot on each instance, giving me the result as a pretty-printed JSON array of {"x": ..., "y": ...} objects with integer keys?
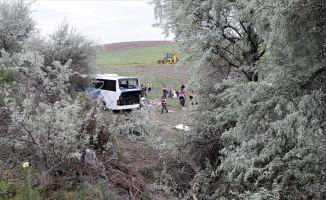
[{"x": 134, "y": 56}]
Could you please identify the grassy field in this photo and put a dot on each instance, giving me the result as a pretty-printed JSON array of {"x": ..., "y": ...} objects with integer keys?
[{"x": 134, "y": 56}]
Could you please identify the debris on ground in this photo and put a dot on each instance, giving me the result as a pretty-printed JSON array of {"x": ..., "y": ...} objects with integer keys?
[{"x": 178, "y": 175}]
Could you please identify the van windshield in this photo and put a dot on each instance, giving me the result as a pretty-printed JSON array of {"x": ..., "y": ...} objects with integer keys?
[{"x": 128, "y": 83}]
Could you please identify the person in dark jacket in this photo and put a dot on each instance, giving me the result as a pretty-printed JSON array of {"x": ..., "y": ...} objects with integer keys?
[
  {"x": 183, "y": 86},
  {"x": 165, "y": 90}
]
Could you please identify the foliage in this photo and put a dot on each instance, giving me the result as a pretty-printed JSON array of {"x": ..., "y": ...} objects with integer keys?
[
  {"x": 48, "y": 125},
  {"x": 140, "y": 125},
  {"x": 42, "y": 120},
  {"x": 210, "y": 32},
  {"x": 86, "y": 191},
  {"x": 60, "y": 123},
  {"x": 265, "y": 138},
  {"x": 99, "y": 127},
  {"x": 178, "y": 177},
  {"x": 66, "y": 45},
  {"x": 6, "y": 76},
  {"x": 147, "y": 172},
  {"x": 16, "y": 25},
  {"x": 7, "y": 190}
]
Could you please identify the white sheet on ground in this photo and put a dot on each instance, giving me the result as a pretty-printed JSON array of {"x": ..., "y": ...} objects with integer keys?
[{"x": 182, "y": 127}]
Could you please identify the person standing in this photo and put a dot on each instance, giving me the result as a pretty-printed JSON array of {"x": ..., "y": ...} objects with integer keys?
[
  {"x": 165, "y": 90},
  {"x": 192, "y": 97},
  {"x": 163, "y": 102},
  {"x": 171, "y": 92},
  {"x": 183, "y": 86},
  {"x": 182, "y": 99},
  {"x": 149, "y": 87},
  {"x": 143, "y": 91}
]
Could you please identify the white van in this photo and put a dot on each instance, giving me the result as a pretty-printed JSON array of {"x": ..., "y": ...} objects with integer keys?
[{"x": 116, "y": 92}]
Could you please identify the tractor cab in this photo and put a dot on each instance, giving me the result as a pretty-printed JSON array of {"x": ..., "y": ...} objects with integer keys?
[
  {"x": 168, "y": 58},
  {"x": 168, "y": 55}
]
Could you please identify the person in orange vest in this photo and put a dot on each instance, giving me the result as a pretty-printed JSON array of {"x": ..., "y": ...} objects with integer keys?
[
  {"x": 182, "y": 99},
  {"x": 163, "y": 102}
]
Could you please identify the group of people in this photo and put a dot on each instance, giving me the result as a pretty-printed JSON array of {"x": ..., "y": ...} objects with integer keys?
[
  {"x": 180, "y": 95},
  {"x": 170, "y": 93},
  {"x": 145, "y": 90}
]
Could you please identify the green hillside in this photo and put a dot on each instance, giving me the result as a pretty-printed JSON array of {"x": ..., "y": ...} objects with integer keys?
[{"x": 135, "y": 56}]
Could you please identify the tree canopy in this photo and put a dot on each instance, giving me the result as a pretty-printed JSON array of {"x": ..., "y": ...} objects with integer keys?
[
  {"x": 67, "y": 139},
  {"x": 41, "y": 118},
  {"x": 16, "y": 25},
  {"x": 212, "y": 31},
  {"x": 254, "y": 138}
]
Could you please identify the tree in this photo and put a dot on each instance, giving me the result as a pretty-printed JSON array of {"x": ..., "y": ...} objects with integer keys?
[
  {"x": 264, "y": 139},
  {"x": 40, "y": 120},
  {"x": 67, "y": 45},
  {"x": 300, "y": 50},
  {"x": 212, "y": 32},
  {"x": 16, "y": 25}
]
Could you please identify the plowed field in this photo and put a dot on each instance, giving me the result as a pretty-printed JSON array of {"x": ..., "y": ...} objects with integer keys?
[{"x": 132, "y": 44}]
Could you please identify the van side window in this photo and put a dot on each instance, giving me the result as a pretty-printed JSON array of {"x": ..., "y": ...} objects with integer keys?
[
  {"x": 128, "y": 83},
  {"x": 98, "y": 84},
  {"x": 109, "y": 85}
]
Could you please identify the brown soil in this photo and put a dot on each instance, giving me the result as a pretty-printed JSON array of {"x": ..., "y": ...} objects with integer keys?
[
  {"x": 131, "y": 45},
  {"x": 140, "y": 156}
]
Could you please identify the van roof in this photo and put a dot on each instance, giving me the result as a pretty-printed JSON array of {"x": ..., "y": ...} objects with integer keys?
[
  {"x": 111, "y": 76},
  {"x": 106, "y": 75}
]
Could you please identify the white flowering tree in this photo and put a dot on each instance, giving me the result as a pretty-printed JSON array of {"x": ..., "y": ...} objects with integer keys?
[
  {"x": 40, "y": 120},
  {"x": 16, "y": 25},
  {"x": 264, "y": 139},
  {"x": 68, "y": 45}
]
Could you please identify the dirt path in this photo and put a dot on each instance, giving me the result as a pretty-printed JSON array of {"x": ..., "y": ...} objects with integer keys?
[{"x": 140, "y": 157}]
